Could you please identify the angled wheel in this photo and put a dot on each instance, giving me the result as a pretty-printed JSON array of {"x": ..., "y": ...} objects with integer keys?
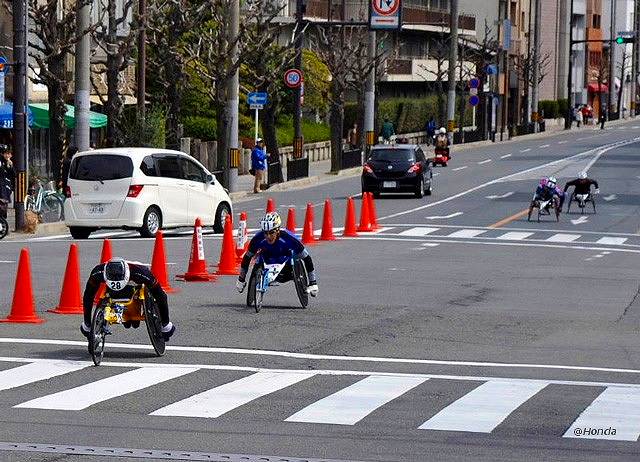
[
  {"x": 251, "y": 285},
  {"x": 530, "y": 212},
  {"x": 98, "y": 333},
  {"x": 593, "y": 202},
  {"x": 569, "y": 204},
  {"x": 301, "y": 280},
  {"x": 154, "y": 324}
]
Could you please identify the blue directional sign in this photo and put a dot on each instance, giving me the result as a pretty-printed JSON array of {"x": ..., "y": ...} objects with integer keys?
[{"x": 259, "y": 98}]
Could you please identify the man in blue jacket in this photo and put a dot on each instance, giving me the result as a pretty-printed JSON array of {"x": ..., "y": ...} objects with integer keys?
[{"x": 258, "y": 164}]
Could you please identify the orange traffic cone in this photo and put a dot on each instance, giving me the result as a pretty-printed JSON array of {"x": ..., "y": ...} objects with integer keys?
[
  {"x": 327, "y": 223},
  {"x": 271, "y": 205},
  {"x": 365, "y": 216},
  {"x": 228, "y": 264},
  {"x": 307, "y": 232},
  {"x": 242, "y": 241},
  {"x": 197, "y": 265},
  {"x": 105, "y": 256},
  {"x": 159, "y": 264},
  {"x": 372, "y": 213},
  {"x": 71, "y": 296},
  {"x": 291, "y": 220},
  {"x": 350, "y": 220},
  {"x": 23, "y": 308}
]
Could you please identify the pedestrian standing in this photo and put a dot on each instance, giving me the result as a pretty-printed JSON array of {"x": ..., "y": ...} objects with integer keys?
[
  {"x": 579, "y": 117},
  {"x": 431, "y": 130},
  {"x": 603, "y": 117},
  {"x": 352, "y": 136},
  {"x": 7, "y": 174},
  {"x": 258, "y": 164},
  {"x": 387, "y": 130}
]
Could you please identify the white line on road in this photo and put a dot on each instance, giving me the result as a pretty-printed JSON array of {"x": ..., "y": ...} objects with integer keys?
[
  {"x": 563, "y": 237},
  {"x": 485, "y": 161},
  {"x": 610, "y": 197},
  {"x": 514, "y": 236},
  {"x": 505, "y": 156},
  {"x": 611, "y": 240},
  {"x": 7, "y": 261},
  {"x": 418, "y": 231},
  {"x": 34, "y": 372},
  {"x": 466, "y": 233},
  {"x": 525, "y": 150},
  {"x": 444, "y": 217},
  {"x": 544, "y": 146},
  {"x": 563, "y": 142},
  {"x": 459, "y": 168},
  {"x": 503, "y": 196},
  {"x": 581, "y": 220}
]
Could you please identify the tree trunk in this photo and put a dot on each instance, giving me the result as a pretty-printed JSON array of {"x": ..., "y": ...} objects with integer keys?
[
  {"x": 57, "y": 90},
  {"x": 270, "y": 138},
  {"x": 222, "y": 130},
  {"x": 173, "y": 74},
  {"x": 336, "y": 122}
]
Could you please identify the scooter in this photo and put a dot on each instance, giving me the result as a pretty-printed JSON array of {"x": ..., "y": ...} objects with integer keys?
[{"x": 441, "y": 156}]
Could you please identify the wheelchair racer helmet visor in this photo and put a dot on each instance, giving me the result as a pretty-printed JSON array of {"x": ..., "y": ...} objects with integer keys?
[{"x": 116, "y": 274}]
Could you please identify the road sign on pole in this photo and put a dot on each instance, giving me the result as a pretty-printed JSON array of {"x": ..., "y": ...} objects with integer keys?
[
  {"x": 385, "y": 14},
  {"x": 293, "y": 78},
  {"x": 257, "y": 98},
  {"x": 474, "y": 100}
]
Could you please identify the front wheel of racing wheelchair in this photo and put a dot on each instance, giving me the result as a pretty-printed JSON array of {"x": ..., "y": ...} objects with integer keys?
[
  {"x": 255, "y": 296},
  {"x": 582, "y": 203},
  {"x": 553, "y": 204}
]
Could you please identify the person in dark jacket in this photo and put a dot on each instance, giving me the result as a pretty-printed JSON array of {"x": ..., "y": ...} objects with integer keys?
[
  {"x": 66, "y": 164},
  {"x": 258, "y": 164},
  {"x": 7, "y": 174}
]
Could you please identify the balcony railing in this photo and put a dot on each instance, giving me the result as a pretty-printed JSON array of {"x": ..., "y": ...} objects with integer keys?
[
  {"x": 416, "y": 15},
  {"x": 399, "y": 66}
]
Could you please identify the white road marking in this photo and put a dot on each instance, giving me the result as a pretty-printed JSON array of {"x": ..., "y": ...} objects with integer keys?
[
  {"x": 485, "y": 161},
  {"x": 564, "y": 237},
  {"x": 525, "y": 150},
  {"x": 610, "y": 197},
  {"x": 84, "y": 396},
  {"x": 430, "y": 244},
  {"x": 418, "y": 231},
  {"x": 436, "y": 174},
  {"x": 48, "y": 238},
  {"x": 484, "y": 408},
  {"x": 514, "y": 236},
  {"x": 459, "y": 168},
  {"x": 505, "y": 156},
  {"x": 7, "y": 261},
  {"x": 34, "y": 372},
  {"x": 617, "y": 408},
  {"x": 466, "y": 233},
  {"x": 563, "y": 142},
  {"x": 611, "y": 240},
  {"x": 581, "y": 220},
  {"x": 353, "y": 403},
  {"x": 444, "y": 217},
  {"x": 220, "y": 400},
  {"x": 544, "y": 146},
  {"x": 502, "y": 196}
]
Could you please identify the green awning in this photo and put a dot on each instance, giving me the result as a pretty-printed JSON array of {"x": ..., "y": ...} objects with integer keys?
[{"x": 41, "y": 116}]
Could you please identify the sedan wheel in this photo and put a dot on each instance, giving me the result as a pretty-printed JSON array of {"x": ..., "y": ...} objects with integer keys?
[{"x": 151, "y": 223}]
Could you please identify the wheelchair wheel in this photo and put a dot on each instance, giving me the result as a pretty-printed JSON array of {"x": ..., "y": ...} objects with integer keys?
[
  {"x": 301, "y": 280},
  {"x": 251, "y": 286},
  {"x": 98, "y": 333},
  {"x": 530, "y": 212},
  {"x": 569, "y": 204},
  {"x": 593, "y": 202},
  {"x": 154, "y": 324},
  {"x": 4, "y": 228}
]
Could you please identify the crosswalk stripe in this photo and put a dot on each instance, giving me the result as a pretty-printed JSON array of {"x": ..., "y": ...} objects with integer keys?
[
  {"x": 563, "y": 237},
  {"x": 220, "y": 400},
  {"x": 616, "y": 408},
  {"x": 484, "y": 408},
  {"x": 82, "y": 397},
  {"x": 353, "y": 403},
  {"x": 514, "y": 236},
  {"x": 34, "y": 372},
  {"x": 419, "y": 231},
  {"x": 467, "y": 233},
  {"x": 611, "y": 240}
]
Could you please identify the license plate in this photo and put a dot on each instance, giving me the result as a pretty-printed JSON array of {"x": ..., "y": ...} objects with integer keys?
[
  {"x": 96, "y": 209},
  {"x": 388, "y": 184}
]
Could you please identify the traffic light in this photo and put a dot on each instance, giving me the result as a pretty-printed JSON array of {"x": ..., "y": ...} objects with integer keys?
[{"x": 624, "y": 39}]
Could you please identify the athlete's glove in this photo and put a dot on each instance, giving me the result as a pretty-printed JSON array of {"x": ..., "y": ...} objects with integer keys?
[
  {"x": 313, "y": 290},
  {"x": 240, "y": 285},
  {"x": 597, "y": 191}
]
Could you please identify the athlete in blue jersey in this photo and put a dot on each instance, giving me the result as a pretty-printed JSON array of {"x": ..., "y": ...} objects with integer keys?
[{"x": 275, "y": 246}]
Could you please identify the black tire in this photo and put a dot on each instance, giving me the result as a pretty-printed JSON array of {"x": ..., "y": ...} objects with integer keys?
[
  {"x": 97, "y": 333},
  {"x": 419, "y": 192},
  {"x": 221, "y": 212},
  {"x": 429, "y": 190},
  {"x": 4, "y": 228},
  {"x": 301, "y": 280},
  {"x": 251, "y": 285},
  {"x": 569, "y": 204},
  {"x": 154, "y": 324},
  {"x": 80, "y": 232},
  {"x": 531, "y": 207},
  {"x": 593, "y": 202},
  {"x": 377, "y": 194},
  {"x": 444, "y": 164},
  {"x": 52, "y": 209},
  {"x": 152, "y": 222}
]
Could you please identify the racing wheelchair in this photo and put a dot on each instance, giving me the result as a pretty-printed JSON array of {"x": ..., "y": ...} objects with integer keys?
[
  {"x": 545, "y": 208},
  {"x": 582, "y": 200},
  {"x": 139, "y": 306}
]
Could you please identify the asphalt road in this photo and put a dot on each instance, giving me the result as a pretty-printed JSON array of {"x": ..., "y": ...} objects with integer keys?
[{"x": 460, "y": 331}]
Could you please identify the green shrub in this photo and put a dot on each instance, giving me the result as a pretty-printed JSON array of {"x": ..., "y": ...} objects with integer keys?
[
  {"x": 549, "y": 108},
  {"x": 312, "y": 132},
  {"x": 150, "y": 134},
  {"x": 203, "y": 128}
]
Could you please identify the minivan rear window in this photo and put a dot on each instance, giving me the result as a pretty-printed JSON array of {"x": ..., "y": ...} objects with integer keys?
[
  {"x": 99, "y": 167},
  {"x": 392, "y": 155}
]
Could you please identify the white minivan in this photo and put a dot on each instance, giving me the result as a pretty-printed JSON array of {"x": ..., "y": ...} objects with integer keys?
[{"x": 141, "y": 188}]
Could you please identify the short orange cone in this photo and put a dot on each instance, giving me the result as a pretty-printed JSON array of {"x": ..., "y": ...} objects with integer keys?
[
  {"x": 197, "y": 265},
  {"x": 291, "y": 220},
  {"x": 350, "y": 220},
  {"x": 159, "y": 264},
  {"x": 23, "y": 308},
  {"x": 71, "y": 296},
  {"x": 271, "y": 205},
  {"x": 365, "y": 216},
  {"x": 228, "y": 264},
  {"x": 307, "y": 232},
  {"x": 372, "y": 213},
  {"x": 105, "y": 256},
  {"x": 327, "y": 223},
  {"x": 242, "y": 241}
]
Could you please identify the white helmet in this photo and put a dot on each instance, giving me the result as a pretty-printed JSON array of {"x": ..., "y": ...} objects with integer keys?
[
  {"x": 271, "y": 221},
  {"x": 443, "y": 130},
  {"x": 551, "y": 182},
  {"x": 116, "y": 274},
  {"x": 582, "y": 175}
]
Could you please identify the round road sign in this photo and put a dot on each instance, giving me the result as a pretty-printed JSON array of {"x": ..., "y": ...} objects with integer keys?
[
  {"x": 293, "y": 78},
  {"x": 474, "y": 83},
  {"x": 385, "y": 7},
  {"x": 474, "y": 100}
]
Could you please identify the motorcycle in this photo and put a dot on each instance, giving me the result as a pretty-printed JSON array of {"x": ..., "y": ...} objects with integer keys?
[{"x": 442, "y": 156}]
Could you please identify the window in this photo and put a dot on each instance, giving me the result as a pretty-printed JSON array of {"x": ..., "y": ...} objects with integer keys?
[
  {"x": 148, "y": 166},
  {"x": 192, "y": 171},
  {"x": 390, "y": 155},
  {"x": 168, "y": 167},
  {"x": 596, "y": 21},
  {"x": 101, "y": 167}
]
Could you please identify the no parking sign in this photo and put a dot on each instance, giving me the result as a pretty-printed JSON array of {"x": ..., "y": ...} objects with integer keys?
[{"x": 384, "y": 14}]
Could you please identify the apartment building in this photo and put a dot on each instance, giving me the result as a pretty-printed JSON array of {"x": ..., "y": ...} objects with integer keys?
[{"x": 623, "y": 22}]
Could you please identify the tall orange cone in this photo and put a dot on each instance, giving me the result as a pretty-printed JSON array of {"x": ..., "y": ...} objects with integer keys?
[
  {"x": 365, "y": 216},
  {"x": 350, "y": 220},
  {"x": 105, "y": 256},
  {"x": 372, "y": 213},
  {"x": 71, "y": 296},
  {"x": 228, "y": 264},
  {"x": 242, "y": 241},
  {"x": 271, "y": 205},
  {"x": 291, "y": 220},
  {"x": 197, "y": 270},
  {"x": 327, "y": 222},
  {"x": 23, "y": 308},
  {"x": 307, "y": 232},
  {"x": 159, "y": 264}
]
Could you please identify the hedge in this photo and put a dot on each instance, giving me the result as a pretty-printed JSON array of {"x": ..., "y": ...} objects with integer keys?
[{"x": 552, "y": 109}]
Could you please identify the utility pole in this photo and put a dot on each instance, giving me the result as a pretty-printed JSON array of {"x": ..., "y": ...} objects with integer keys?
[
  {"x": 535, "y": 91},
  {"x": 82, "y": 80},
  {"x": 612, "y": 58},
  {"x": 20, "y": 106},
  {"x": 503, "y": 62},
  {"x": 297, "y": 106},
  {"x": 634, "y": 60},
  {"x": 233, "y": 100},
  {"x": 568, "y": 116},
  {"x": 370, "y": 93},
  {"x": 142, "y": 61},
  {"x": 453, "y": 58}
]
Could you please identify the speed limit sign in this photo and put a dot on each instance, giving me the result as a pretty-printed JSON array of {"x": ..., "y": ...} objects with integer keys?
[{"x": 293, "y": 78}]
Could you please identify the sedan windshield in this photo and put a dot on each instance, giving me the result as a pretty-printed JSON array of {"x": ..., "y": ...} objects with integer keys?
[{"x": 392, "y": 155}]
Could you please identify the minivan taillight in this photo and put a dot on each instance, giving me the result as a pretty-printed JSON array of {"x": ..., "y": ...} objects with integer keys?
[
  {"x": 415, "y": 168},
  {"x": 134, "y": 190},
  {"x": 367, "y": 168},
  {"x": 67, "y": 191}
]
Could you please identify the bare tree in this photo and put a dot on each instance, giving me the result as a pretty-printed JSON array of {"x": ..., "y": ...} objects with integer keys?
[
  {"x": 623, "y": 68},
  {"x": 438, "y": 52},
  {"x": 525, "y": 65}
]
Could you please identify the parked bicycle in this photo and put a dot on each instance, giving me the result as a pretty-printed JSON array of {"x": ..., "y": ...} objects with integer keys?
[
  {"x": 46, "y": 203},
  {"x": 4, "y": 224}
]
